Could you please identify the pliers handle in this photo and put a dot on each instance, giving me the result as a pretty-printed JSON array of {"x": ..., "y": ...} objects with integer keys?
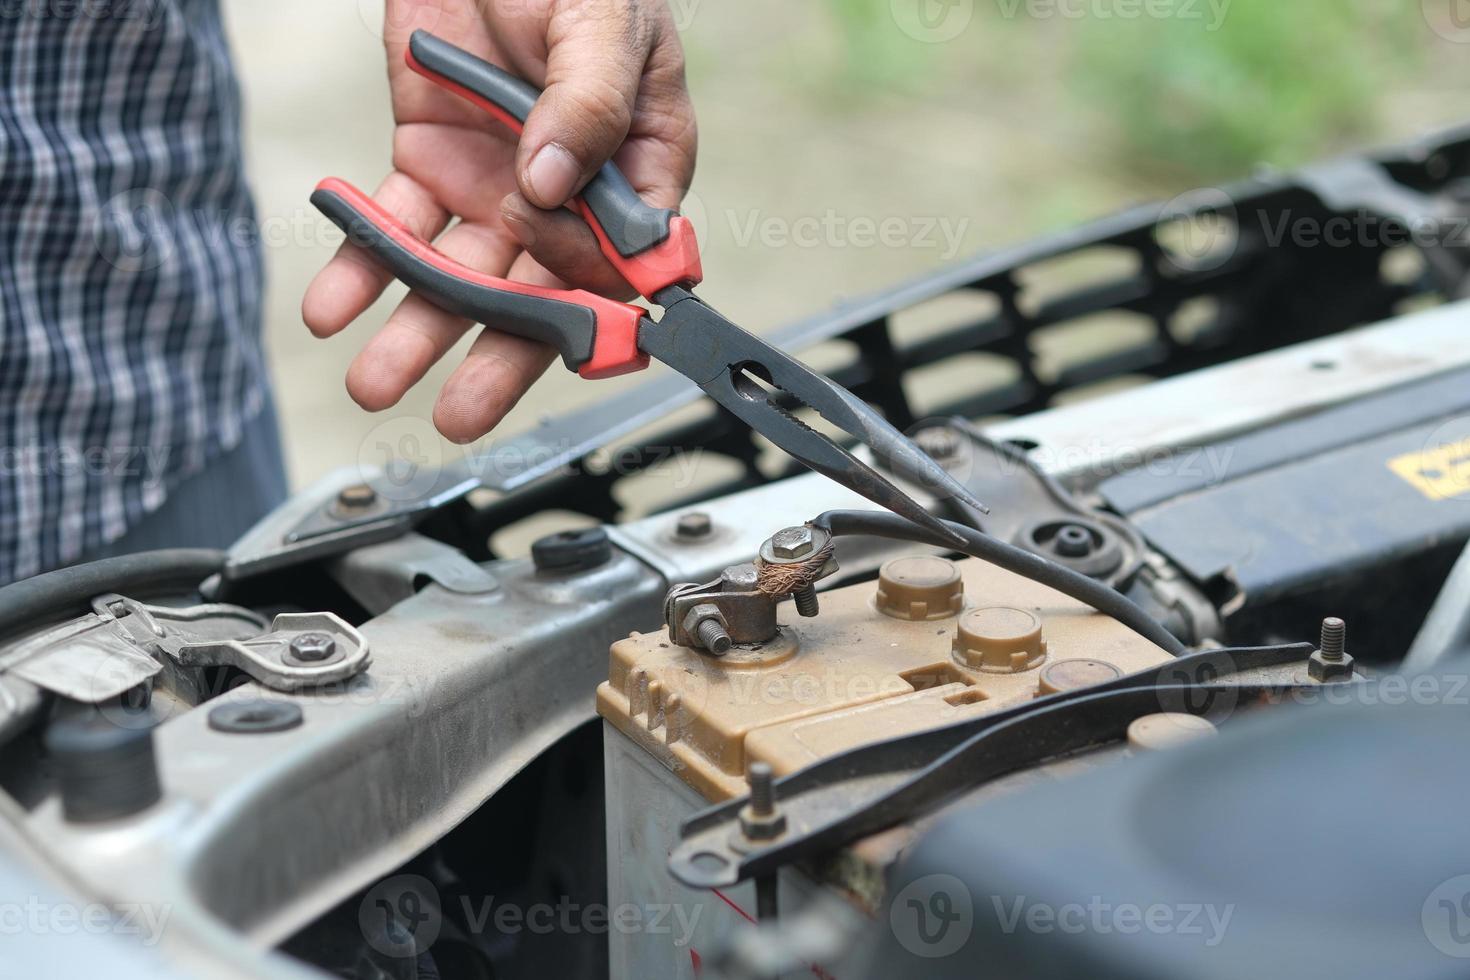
[
  {"x": 597, "y": 337},
  {"x": 653, "y": 248}
]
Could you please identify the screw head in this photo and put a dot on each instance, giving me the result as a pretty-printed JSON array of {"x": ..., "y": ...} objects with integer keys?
[
  {"x": 313, "y": 647},
  {"x": 359, "y": 497},
  {"x": 792, "y": 542},
  {"x": 938, "y": 442},
  {"x": 740, "y": 578},
  {"x": 694, "y": 525}
]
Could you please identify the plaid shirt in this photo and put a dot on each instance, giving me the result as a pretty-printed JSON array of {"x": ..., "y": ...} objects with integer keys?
[{"x": 130, "y": 270}]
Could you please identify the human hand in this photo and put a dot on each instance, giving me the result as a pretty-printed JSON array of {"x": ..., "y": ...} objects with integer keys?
[{"x": 613, "y": 78}]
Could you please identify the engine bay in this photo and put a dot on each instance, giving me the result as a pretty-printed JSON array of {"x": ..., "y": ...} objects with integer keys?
[{"x": 1191, "y": 686}]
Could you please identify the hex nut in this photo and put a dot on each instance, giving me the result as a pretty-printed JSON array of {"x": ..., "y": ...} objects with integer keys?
[
  {"x": 313, "y": 647},
  {"x": 792, "y": 543},
  {"x": 1325, "y": 670},
  {"x": 694, "y": 525},
  {"x": 740, "y": 578},
  {"x": 697, "y": 615},
  {"x": 756, "y": 827}
]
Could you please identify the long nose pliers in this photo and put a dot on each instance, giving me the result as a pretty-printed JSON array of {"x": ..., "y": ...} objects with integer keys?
[{"x": 656, "y": 253}]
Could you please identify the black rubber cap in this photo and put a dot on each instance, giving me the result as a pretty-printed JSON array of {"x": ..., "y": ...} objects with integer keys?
[
  {"x": 104, "y": 763},
  {"x": 572, "y": 551}
]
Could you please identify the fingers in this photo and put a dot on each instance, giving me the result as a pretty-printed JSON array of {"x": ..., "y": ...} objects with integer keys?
[
  {"x": 352, "y": 281},
  {"x": 564, "y": 244},
  {"x": 419, "y": 333},
  {"x": 595, "y": 58},
  {"x": 494, "y": 375}
]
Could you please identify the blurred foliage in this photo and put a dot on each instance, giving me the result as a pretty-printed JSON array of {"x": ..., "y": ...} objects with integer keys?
[
  {"x": 1279, "y": 80},
  {"x": 1206, "y": 92}
]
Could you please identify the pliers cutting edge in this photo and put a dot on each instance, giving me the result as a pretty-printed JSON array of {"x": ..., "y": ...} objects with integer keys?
[{"x": 655, "y": 251}]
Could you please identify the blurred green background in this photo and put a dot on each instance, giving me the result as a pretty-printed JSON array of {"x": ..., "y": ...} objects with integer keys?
[{"x": 986, "y": 122}]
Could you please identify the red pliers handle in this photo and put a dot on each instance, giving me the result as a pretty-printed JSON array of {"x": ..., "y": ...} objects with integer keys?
[{"x": 652, "y": 248}]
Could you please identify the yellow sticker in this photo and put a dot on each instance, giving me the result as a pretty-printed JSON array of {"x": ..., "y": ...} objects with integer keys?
[{"x": 1439, "y": 473}]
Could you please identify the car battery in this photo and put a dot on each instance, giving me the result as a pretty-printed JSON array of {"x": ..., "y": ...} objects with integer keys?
[{"x": 931, "y": 643}]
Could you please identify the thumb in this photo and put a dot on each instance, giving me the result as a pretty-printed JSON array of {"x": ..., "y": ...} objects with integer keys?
[{"x": 595, "y": 60}]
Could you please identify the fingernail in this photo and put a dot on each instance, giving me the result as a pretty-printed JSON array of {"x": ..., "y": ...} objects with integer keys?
[
  {"x": 553, "y": 175},
  {"x": 517, "y": 221}
]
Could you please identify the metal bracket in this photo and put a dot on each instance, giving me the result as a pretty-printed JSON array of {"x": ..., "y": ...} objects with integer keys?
[
  {"x": 382, "y": 575},
  {"x": 269, "y": 658}
]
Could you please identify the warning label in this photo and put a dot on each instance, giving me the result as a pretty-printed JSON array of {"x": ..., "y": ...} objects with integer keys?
[{"x": 1440, "y": 473}]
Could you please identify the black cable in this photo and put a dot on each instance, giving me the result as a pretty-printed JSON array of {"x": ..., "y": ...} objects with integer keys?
[
  {"x": 49, "y": 596},
  {"x": 1013, "y": 559}
]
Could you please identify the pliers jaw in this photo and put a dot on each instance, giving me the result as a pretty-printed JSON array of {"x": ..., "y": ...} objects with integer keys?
[{"x": 748, "y": 377}]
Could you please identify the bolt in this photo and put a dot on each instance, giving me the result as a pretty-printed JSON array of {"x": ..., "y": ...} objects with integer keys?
[
  {"x": 806, "y": 601},
  {"x": 712, "y": 636},
  {"x": 762, "y": 789},
  {"x": 938, "y": 443},
  {"x": 313, "y": 647},
  {"x": 760, "y": 819},
  {"x": 693, "y": 526},
  {"x": 740, "y": 578},
  {"x": 1334, "y": 639},
  {"x": 792, "y": 543},
  {"x": 1330, "y": 662},
  {"x": 359, "y": 497}
]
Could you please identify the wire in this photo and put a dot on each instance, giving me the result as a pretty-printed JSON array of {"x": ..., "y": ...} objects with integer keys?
[
  {"x": 1013, "y": 559},
  {"x": 35, "y": 601}
]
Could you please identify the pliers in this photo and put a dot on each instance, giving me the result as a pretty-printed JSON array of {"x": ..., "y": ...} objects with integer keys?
[{"x": 656, "y": 252}]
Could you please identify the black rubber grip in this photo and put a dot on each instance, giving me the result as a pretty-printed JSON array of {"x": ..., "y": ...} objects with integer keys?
[
  {"x": 569, "y": 328},
  {"x": 632, "y": 226}
]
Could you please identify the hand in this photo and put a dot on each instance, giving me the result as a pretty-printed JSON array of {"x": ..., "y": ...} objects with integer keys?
[{"x": 613, "y": 75}]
